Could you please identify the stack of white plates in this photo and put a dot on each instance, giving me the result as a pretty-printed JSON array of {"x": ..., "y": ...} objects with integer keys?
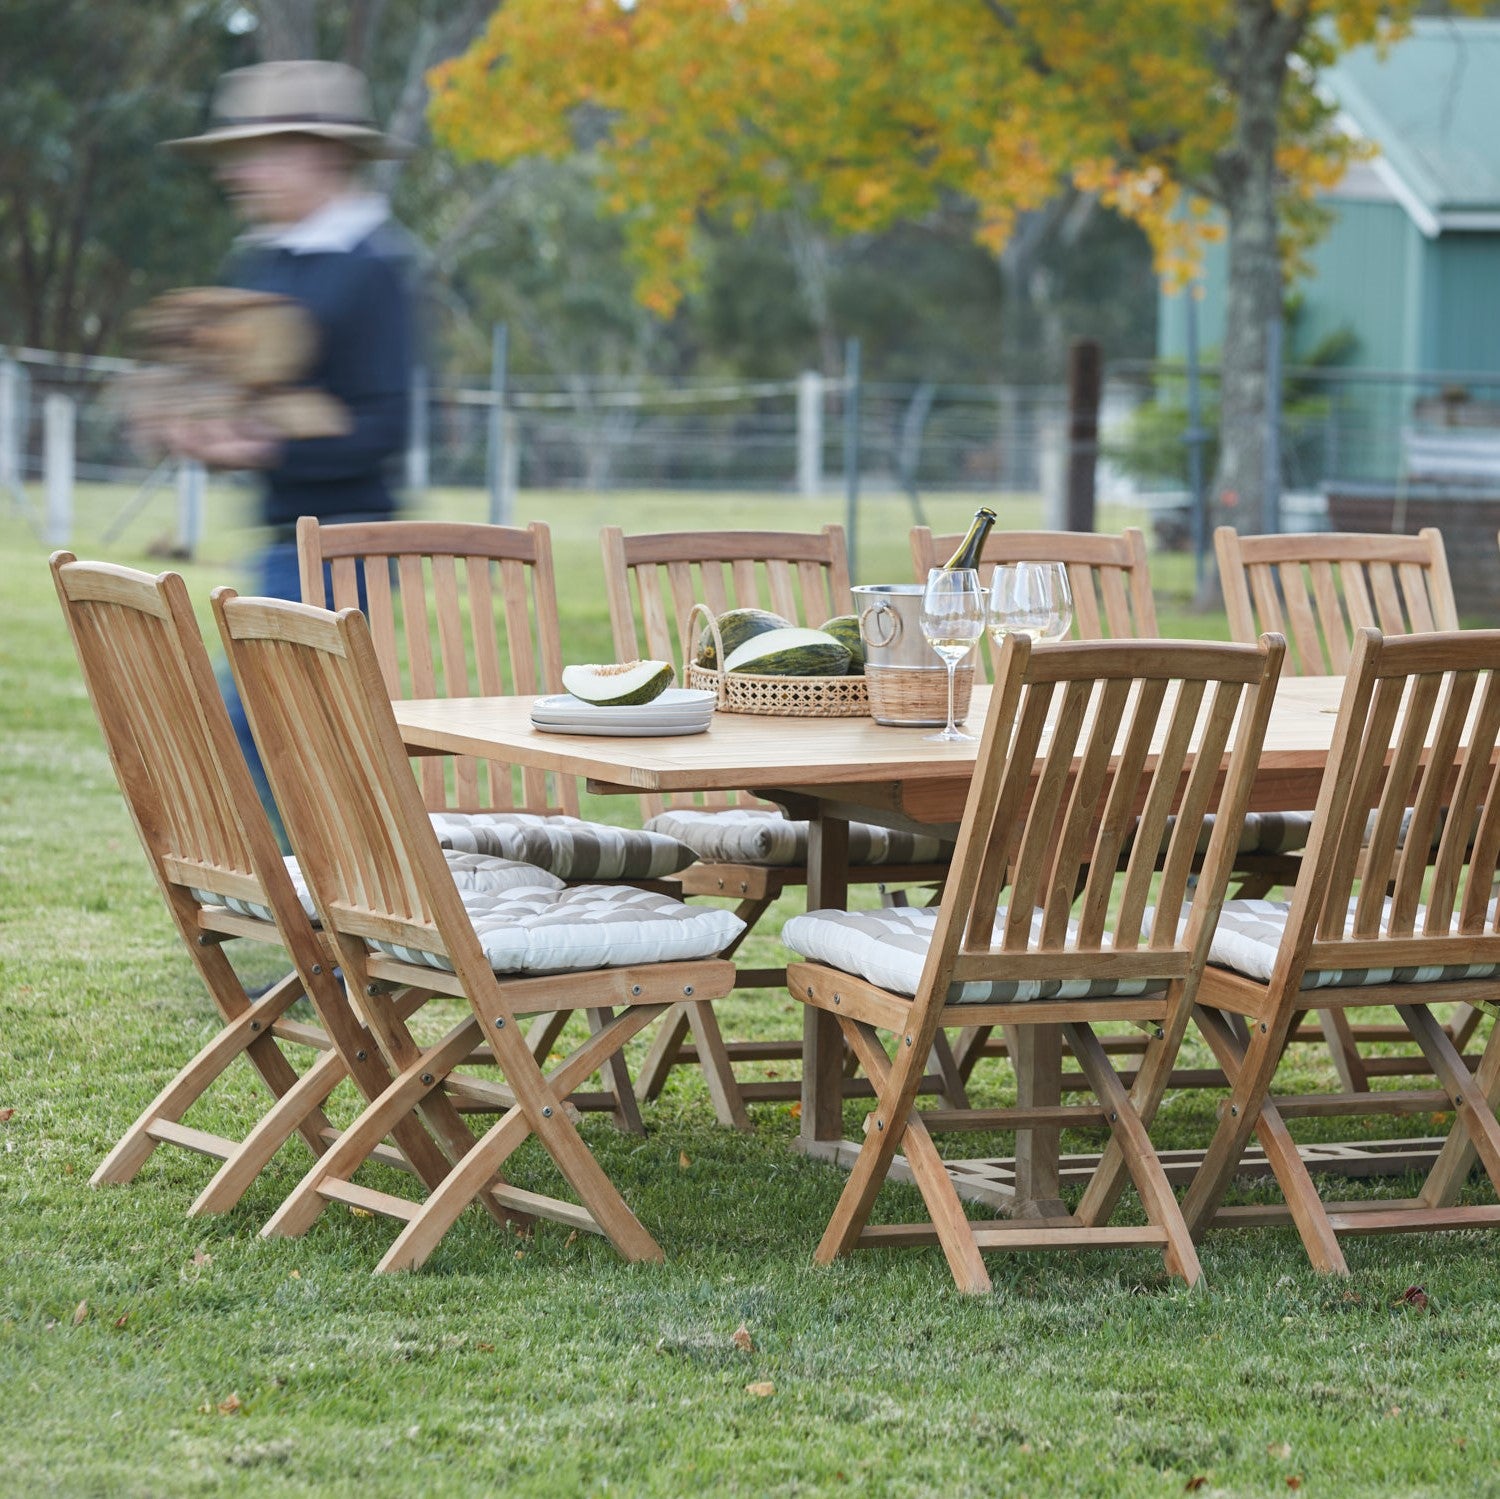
[{"x": 679, "y": 710}]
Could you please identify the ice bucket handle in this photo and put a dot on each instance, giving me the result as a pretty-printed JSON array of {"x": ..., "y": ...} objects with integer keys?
[{"x": 880, "y": 609}]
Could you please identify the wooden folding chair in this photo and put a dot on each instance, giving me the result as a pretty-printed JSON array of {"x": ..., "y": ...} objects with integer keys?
[
  {"x": 222, "y": 876},
  {"x": 1319, "y": 590},
  {"x": 318, "y": 706},
  {"x": 653, "y": 583},
  {"x": 458, "y": 610},
  {"x": 1375, "y": 918},
  {"x": 1033, "y": 933}
]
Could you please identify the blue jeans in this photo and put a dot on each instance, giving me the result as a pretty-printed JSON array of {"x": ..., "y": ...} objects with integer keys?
[{"x": 273, "y": 575}]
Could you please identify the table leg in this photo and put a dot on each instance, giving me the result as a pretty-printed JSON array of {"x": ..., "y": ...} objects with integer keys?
[
  {"x": 822, "y": 1041},
  {"x": 1036, "y": 1054}
]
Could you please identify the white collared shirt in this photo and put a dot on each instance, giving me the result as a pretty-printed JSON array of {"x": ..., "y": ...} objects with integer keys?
[{"x": 335, "y": 228}]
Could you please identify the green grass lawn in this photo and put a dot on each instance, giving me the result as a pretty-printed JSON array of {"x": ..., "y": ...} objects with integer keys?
[{"x": 144, "y": 1354}]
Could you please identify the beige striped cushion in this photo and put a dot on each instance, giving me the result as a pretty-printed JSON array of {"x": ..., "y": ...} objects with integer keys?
[
  {"x": 584, "y": 927},
  {"x": 889, "y": 946},
  {"x": 568, "y": 846},
  {"x": 759, "y": 835},
  {"x": 1249, "y": 934},
  {"x": 471, "y": 872}
]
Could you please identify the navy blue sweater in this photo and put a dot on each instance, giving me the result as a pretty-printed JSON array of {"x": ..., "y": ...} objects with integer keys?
[{"x": 361, "y": 303}]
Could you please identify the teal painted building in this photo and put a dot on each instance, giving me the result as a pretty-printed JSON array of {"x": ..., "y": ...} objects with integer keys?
[{"x": 1410, "y": 267}]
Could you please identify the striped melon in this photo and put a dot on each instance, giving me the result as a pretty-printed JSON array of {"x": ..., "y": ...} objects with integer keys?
[
  {"x": 845, "y": 629},
  {"x": 735, "y": 628},
  {"x": 791, "y": 652},
  {"x": 618, "y": 684}
]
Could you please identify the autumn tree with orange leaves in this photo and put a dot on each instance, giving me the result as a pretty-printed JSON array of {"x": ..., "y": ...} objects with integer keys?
[{"x": 1191, "y": 117}]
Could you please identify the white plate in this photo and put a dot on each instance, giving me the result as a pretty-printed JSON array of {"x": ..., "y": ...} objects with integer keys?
[
  {"x": 676, "y": 705},
  {"x": 620, "y": 730}
]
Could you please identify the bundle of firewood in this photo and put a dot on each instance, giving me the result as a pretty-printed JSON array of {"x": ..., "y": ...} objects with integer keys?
[{"x": 218, "y": 354}]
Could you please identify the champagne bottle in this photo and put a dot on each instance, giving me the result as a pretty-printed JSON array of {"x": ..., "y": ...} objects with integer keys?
[{"x": 972, "y": 545}]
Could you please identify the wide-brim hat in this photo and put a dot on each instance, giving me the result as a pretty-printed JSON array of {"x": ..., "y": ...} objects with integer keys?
[{"x": 328, "y": 99}]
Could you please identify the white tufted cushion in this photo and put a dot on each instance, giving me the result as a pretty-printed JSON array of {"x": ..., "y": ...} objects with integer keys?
[
  {"x": 568, "y": 846},
  {"x": 889, "y": 946},
  {"x": 758, "y": 835},
  {"x": 471, "y": 872},
  {"x": 1249, "y": 934},
  {"x": 584, "y": 927}
]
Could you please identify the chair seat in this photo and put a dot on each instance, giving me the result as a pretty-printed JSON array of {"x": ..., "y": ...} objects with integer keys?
[
  {"x": 583, "y": 927},
  {"x": 1249, "y": 934},
  {"x": 888, "y": 947},
  {"x": 567, "y": 846},
  {"x": 476, "y": 873},
  {"x": 759, "y": 835}
]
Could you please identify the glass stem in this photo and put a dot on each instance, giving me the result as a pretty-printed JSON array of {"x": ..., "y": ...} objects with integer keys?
[{"x": 951, "y": 665}]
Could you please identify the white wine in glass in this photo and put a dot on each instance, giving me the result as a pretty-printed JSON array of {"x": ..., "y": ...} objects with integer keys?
[
  {"x": 953, "y": 609},
  {"x": 1030, "y": 598}
]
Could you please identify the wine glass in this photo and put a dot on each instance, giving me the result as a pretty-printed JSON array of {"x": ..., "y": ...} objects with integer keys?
[
  {"x": 952, "y": 621},
  {"x": 1030, "y": 598}
]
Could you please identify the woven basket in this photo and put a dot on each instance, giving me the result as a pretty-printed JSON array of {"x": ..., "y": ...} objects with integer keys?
[
  {"x": 915, "y": 696},
  {"x": 788, "y": 697}
]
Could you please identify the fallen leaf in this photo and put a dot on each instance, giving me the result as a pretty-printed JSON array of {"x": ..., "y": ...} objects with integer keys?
[
  {"x": 571, "y": 1239},
  {"x": 1195, "y": 1483},
  {"x": 485, "y": 1347},
  {"x": 1352, "y": 1298},
  {"x": 122, "y": 1319},
  {"x": 68, "y": 1168},
  {"x": 520, "y": 1254},
  {"x": 1393, "y": 1412},
  {"x": 742, "y": 1339},
  {"x": 1282, "y": 1450},
  {"x": 682, "y": 1160},
  {"x": 1413, "y": 1296},
  {"x": 795, "y": 1111},
  {"x": 6, "y": 1114},
  {"x": 206, "y": 1409},
  {"x": 199, "y": 1258},
  {"x": 230, "y": 1407},
  {"x": 296, "y": 1275},
  {"x": 772, "y": 1072},
  {"x": 80, "y": 1314},
  {"x": 360, "y": 1212},
  {"x": 760, "y": 1387},
  {"x": 1294, "y": 1480}
]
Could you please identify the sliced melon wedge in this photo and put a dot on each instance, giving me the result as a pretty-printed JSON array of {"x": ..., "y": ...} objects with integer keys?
[{"x": 620, "y": 684}]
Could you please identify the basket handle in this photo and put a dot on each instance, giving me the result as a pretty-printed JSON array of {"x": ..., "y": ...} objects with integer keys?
[{"x": 690, "y": 650}]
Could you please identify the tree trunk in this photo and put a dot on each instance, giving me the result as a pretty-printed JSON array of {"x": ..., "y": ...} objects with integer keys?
[{"x": 1245, "y": 182}]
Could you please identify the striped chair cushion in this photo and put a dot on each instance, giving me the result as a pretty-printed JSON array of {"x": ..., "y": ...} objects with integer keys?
[
  {"x": 758, "y": 835},
  {"x": 889, "y": 946},
  {"x": 584, "y": 927},
  {"x": 1249, "y": 934},
  {"x": 471, "y": 872},
  {"x": 567, "y": 846}
]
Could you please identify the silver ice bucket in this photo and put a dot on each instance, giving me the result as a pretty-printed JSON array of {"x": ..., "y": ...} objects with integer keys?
[{"x": 908, "y": 682}]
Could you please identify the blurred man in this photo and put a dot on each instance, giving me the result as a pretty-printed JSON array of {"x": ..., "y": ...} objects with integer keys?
[{"x": 286, "y": 142}]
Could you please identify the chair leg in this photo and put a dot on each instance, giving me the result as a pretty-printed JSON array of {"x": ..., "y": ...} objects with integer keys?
[
  {"x": 1475, "y": 1131},
  {"x": 718, "y": 1074},
  {"x": 616, "y": 1075},
  {"x": 1137, "y": 1151},
  {"x": 1249, "y": 1070},
  {"x": 231, "y": 1181},
  {"x": 945, "y": 1064},
  {"x": 1347, "y": 1062},
  {"x": 550, "y": 1122},
  {"x": 936, "y": 1186},
  {"x": 968, "y": 1049},
  {"x": 662, "y": 1055},
  {"x": 248, "y": 1030},
  {"x": 1464, "y": 1024}
]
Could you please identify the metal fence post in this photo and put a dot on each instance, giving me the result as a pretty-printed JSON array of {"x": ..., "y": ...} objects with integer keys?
[
  {"x": 851, "y": 451},
  {"x": 809, "y": 434},
  {"x": 1085, "y": 379},
  {"x": 59, "y": 414},
  {"x": 495, "y": 474},
  {"x": 418, "y": 456},
  {"x": 1271, "y": 507},
  {"x": 191, "y": 482},
  {"x": 1195, "y": 437}
]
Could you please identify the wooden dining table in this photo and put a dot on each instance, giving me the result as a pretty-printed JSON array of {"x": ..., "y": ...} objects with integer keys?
[{"x": 832, "y": 771}]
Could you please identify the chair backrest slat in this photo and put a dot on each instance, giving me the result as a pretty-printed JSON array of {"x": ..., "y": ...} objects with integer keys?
[
  {"x": 1321, "y": 588},
  {"x": 653, "y": 582},
  {"x": 474, "y": 609}
]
